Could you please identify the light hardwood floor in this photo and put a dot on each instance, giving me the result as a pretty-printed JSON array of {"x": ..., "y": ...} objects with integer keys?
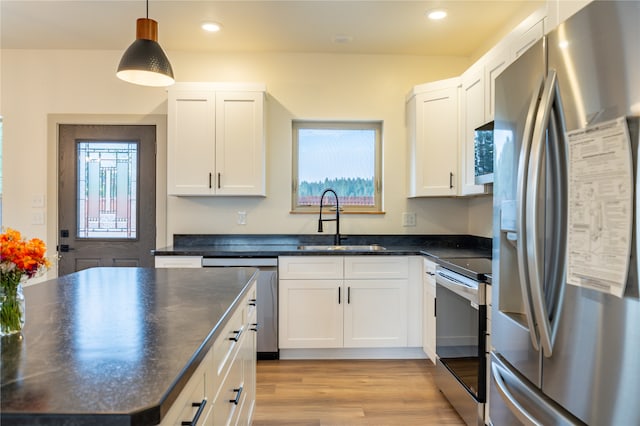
[{"x": 350, "y": 392}]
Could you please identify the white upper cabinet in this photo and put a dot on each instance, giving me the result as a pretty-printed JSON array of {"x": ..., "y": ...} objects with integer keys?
[
  {"x": 216, "y": 139},
  {"x": 432, "y": 126},
  {"x": 527, "y": 33},
  {"x": 560, "y": 10},
  {"x": 472, "y": 116},
  {"x": 495, "y": 63},
  {"x": 240, "y": 143}
]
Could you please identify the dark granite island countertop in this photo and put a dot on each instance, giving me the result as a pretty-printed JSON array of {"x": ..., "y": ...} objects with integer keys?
[{"x": 113, "y": 346}]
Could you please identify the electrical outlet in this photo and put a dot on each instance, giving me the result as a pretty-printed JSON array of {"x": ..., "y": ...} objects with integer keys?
[
  {"x": 242, "y": 218},
  {"x": 37, "y": 217},
  {"x": 408, "y": 219},
  {"x": 37, "y": 200}
]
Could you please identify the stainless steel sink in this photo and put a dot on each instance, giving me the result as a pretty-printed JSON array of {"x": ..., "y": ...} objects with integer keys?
[{"x": 368, "y": 247}]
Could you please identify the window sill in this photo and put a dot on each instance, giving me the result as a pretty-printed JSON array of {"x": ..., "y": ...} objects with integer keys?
[{"x": 333, "y": 212}]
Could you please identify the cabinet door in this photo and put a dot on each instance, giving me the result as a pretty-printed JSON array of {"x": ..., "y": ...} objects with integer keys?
[
  {"x": 240, "y": 143},
  {"x": 429, "y": 289},
  {"x": 528, "y": 38},
  {"x": 433, "y": 153},
  {"x": 494, "y": 66},
  {"x": 472, "y": 118},
  {"x": 310, "y": 314},
  {"x": 191, "y": 142},
  {"x": 375, "y": 313}
]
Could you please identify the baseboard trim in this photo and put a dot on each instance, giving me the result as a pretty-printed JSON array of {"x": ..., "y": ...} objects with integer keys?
[{"x": 353, "y": 353}]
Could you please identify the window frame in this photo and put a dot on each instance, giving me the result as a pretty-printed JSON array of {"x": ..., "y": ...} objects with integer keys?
[{"x": 376, "y": 125}]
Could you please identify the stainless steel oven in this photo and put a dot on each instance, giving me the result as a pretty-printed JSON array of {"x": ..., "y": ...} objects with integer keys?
[{"x": 461, "y": 328}]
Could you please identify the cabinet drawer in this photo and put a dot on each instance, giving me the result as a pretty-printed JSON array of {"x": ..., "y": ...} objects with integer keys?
[
  {"x": 226, "y": 347},
  {"x": 376, "y": 267},
  {"x": 183, "y": 409},
  {"x": 225, "y": 408},
  {"x": 178, "y": 261},
  {"x": 429, "y": 266},
  {"x": 249, "y": 307},
  {"x": 310, "y": 267}
]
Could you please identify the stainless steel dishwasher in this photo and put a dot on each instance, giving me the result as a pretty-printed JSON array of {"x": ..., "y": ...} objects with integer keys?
[{"x": 267, "y": 302}]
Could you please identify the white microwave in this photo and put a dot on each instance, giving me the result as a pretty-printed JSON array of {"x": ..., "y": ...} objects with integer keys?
[{"x": 483, "y": 154}]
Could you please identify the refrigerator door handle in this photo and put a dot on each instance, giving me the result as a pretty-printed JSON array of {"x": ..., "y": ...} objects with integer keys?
[
  {"x": 498, "y": 372},
  {"x": 521, "y": 237},
  {"x": 549, "y": 98}
]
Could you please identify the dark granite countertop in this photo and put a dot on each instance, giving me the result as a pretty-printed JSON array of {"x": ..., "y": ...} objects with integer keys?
[
  {"x": 113, "y": 346},
  {"x": 221, "y": 245}
]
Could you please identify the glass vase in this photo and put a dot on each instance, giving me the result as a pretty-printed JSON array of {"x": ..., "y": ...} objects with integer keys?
[{"x": 12, "y": 304}]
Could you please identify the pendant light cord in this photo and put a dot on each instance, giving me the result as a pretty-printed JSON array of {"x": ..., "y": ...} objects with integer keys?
[{"x": 147, "y": 9}]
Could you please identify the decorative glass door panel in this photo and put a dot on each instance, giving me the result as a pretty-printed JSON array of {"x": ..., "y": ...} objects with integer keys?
[{"x": 107, "y": 190}]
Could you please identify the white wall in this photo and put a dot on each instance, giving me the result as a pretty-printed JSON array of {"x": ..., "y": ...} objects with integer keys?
[{"x": 40, "y": 88}]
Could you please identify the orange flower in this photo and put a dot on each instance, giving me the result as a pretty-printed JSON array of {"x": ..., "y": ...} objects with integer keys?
[{"x": 21, "y": 256}]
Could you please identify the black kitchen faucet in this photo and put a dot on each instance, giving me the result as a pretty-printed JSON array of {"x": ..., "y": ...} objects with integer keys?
[{"x": 336, "y": 238}]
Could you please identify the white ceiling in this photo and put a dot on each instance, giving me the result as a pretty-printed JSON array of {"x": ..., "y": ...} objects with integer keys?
[{"x": 376, "y": 27}]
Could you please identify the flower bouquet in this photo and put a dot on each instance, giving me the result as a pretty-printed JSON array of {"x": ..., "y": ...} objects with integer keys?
[{"x": 18, "y": 259}]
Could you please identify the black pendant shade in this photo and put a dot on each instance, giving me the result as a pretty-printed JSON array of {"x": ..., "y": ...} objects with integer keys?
[{"x": 144, "y": 62}]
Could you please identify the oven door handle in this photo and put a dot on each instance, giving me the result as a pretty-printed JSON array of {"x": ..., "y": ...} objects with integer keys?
[{"x": 469, "y": 293}]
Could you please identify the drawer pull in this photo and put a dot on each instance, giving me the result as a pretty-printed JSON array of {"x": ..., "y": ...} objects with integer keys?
[
  {"x": 238, "y": 392},
  {"x": 196, "y": 417},
  {"x": 237, "y": 336},
  {"x": 252, "y": 302},
  {"x": 254, "y": 326}
]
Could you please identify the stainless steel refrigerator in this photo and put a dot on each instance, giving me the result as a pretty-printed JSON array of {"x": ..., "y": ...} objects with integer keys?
[{"x": 565, "y": 317}]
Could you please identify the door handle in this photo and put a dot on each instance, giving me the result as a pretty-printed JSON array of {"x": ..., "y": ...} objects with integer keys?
[
  {"x": 512, "y": 403},
  {"x": 520, "y": 236},
  {"x": 64, "y": 248},
  {"x": 550, "y": 97}
]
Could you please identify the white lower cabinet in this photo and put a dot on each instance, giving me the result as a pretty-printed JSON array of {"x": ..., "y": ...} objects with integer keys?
[
  {"x": 375, "y": 313},
  {"x": 225, "y": 381},
  {"x": 310, "y": 313},
  {"x": 349, "y": 302},
  {"x": 429, "y": 326}
]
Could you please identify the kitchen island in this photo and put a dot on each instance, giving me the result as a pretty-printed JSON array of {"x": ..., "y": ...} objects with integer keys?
[{"x": 116, "y": 346}]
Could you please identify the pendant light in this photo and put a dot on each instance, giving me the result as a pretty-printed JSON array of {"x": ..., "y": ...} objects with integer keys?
[{"x": 144, "y": 62}]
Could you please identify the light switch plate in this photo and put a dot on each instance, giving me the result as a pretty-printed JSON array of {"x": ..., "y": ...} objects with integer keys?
[
  {"x": 242, "y": 218},
  {"x": 408, "y": 219}
]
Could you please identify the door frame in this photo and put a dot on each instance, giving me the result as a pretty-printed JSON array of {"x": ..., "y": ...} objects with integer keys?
[{"x": 54, "y": 120}]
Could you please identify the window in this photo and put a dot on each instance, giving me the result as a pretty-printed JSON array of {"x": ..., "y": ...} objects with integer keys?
[
  {"x": 107, "y": 189},
  {"x": 343, "y": 156}
]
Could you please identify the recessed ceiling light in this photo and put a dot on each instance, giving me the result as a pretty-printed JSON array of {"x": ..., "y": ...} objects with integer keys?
[
  {"x": 342, "y": 38},
  {"x": 212, "y": 27},
  {"x": 436, "y": 14}
]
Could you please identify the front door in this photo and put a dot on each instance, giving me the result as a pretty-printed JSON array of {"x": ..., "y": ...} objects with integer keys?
[{"x": 106, "y": 196}]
